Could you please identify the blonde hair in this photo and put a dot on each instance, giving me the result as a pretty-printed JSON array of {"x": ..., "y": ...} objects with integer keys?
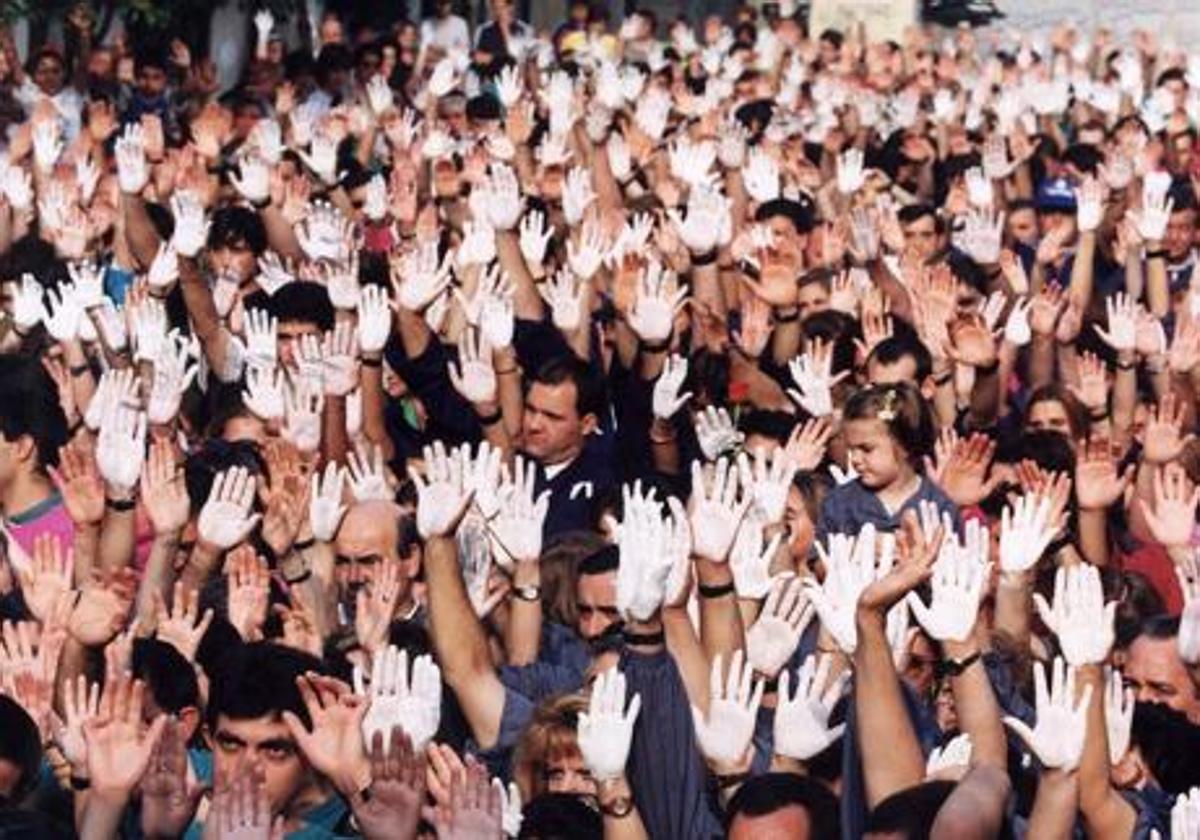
[{"x": 550, "y": 736}]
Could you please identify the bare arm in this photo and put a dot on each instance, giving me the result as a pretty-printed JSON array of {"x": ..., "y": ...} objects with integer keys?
[
  {"x": 460, "y": 643},
  {"x": 975, "y": 809},
  {"x": 1105, "y": 813}
]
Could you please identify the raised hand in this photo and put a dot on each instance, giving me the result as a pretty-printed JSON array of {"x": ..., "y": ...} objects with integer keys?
[
  {"x": 80, "y": 703},
  {"x": 398, "y": 701},
  {"x": 119, "y": 744},
  {"x": 334, "y": 746},
  {"x": 565, "y": 294},
  {"x": 950, "y": 761},
  {"x": 850, "y": 566},
  {"x": 397, "y": 787},
  {"x": 1025, "y": 532},
  {"x": 716, "y": 433},
  {"x": 475, "y": 807},
  {"x": 772, "y": 639},
  {"x": 1118, "y": 715},
  {"x": 191, "y": 228},
  {"x": 1173, "y": 515},
  {"x": 1058, "y": 736},
  {"x": 226, "y": 520},
  {"x": 168, "y": 800},
  {"x": 1188, "y": 573},
  {"x": 959, "y": 577},
  {"x": 962, "y": 468},
  {"x": 474, "y": 376},
  {"x": 767, "y": 481},
  {"x": 516, "y": 529},
  {"x": 813, "y": 374},
  {"x": 802, "y": 727},
  {"x": 659, "y": 298},
  {"x": 181, "y": 626},
  {"x": 120, "y": 450},
  {"x": 648, "y": 544},
  {"x": 716, "y": 510},
  {"x": 605, "y": 730},
  {"x": 48, "y": 577},
  {"x": 1078, "y": 615},
  {"x": 724, "y": 733},
  {"x": 442, "y": 492},
  {"x": 249, "y": 589}
]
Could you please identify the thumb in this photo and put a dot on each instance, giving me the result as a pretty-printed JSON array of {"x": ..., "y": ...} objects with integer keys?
[
  {"x": 1023, "y": 732},
  {"x": 922, "y": 613},
  {"x": 1043, "y": 610}
]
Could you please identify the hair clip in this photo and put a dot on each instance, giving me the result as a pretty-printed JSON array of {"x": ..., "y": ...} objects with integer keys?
[{"x": 887, "y": 412}]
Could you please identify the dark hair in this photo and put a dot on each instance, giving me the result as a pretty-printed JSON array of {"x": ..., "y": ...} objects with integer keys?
[
  {"x": 909, "y": 213},
  {"x": 304, "y": 302},
  {"x": 901, "y": 408},
  {"x": 235, "y": 226},
  {"x": 771, "y": 792},
  {"x": 1169, "y": 744},
  {"x": 29, "y": 406},
  {"x": 332, "y": 59},
  {"x": 590, "y": 397},
  {"x": 201, "y": 468},
  {"x": 904, "y": 344},
  {"x": 259, "y": 679},
  {"x": 170, "y": 677},
  {"x": 555, "y": 815},
  {"x": 776, "y": 425},
  {"x": 147, "y": 57},
  {"x": 1137, "y": 600},
  {"x": 1049, "y": 450},
  {"x": 605, "y": 560},
  {"x": 911, "y": 812},
  {"x": 1160, "y": 627},
  {"x": 20, "y": 744},
  {"x": 800, "y": 215},
  {"x": 1077, "y": 416}
]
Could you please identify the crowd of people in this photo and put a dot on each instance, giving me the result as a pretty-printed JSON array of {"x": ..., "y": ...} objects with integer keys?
[{"x": 661, "y": 429}]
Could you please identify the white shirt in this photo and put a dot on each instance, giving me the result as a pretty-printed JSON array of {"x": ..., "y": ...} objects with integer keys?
[{"x": 449, "y": 34}]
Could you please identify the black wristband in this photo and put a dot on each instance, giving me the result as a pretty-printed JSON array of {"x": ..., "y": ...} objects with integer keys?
[
  {"x": 771, "y": 686},
  {"x": 731, "y": 779},
  {"x": 490, "y": 419},
  {"x": 1098, "y": 414},
  {"x": 643, "y": 638},
  {"x": 954, "y": 667},
  {"x": 304, "y": 545},
  {"x": 992, "y": 368},
  {"x": 372, "y": 363},
  {"x": 787, "y": 318},
  {"x": 715, "y": 591},
  {"x": 707, "y": 258},
  {"x": 655, "y": 346},
  {"x": 80, "y": 370},
  {"x": 80, "y": 783},
  {"x": 1126, "y": 365},
  {"x": 261, "y": 205},
  {"x": 298, "y": 579},
  {"x": 1160, "y": 254},
  {"x": 119, "y": 505}
]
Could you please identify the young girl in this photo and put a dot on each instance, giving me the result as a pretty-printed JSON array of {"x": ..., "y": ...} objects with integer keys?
[{"x": 887, "y": 430}]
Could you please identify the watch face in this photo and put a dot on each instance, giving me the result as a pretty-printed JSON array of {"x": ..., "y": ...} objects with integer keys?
[{"x": 619, "y": 807}]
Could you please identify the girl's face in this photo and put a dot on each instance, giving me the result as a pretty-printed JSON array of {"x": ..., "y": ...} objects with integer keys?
[
  {"x": 873, "y": 454},
  {"x": 568, "y": 774},
  {"x": 1049, "y": 416}
]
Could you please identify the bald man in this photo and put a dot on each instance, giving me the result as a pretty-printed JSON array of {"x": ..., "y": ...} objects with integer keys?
[{"x": 370, "y": 533}]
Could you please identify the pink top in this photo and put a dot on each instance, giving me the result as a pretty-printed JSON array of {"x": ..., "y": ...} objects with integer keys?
[{"x": 48, "y": 516}]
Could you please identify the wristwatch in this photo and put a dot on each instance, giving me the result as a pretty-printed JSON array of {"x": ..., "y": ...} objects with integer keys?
[
  {"x": 531, "y": 593},
  {"x": 955, "y": 667},
  {"x": 619, "y": 806}
]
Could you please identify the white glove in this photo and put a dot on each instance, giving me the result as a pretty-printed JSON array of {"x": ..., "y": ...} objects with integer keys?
[
  {"x": 954, "y": 755},
  {"x": 659, "y": 297},
  {"x": 1118, "y": 716},
  {"x": 121, "y": 448},
  {"x": 1079, "y": 616},
  {"x": 263, "y": 393},
  {"x": 191, "y": 228},
  {"x": 261, "y": 331},
  {"x": 716, "y": 433},
  {"x": 724, "y": 733},
  {"x": 442, "y": 492},
  {"x": 577, "y": 195},
  {"x": 1025, "y": 532},
  {"x": 419, "y": 278},
  {"x": 564, "y": 294},
  {"x": 303, "y": 404},
  {"x": 174, "y": 373},
  {"x": 225, "y": 520},
  {"x": 850, "y": 567},
  {"x": 768, "y": 481},
  {"x": 667, "y": 400},
  {"x": 473, "y": 376},
  {"x": 61, "y": 314},
  {"x": 535, "y": 236},
  {"x": 321, "y": 158},
  {"x": 761, "y": 176},
  {"x": 605, "y": 730},
  {"x": 1017, "y": 331},
  {"x": 412, "y": 703},
  {"x": 368, "y": 480},
  {"x": 375, "y": 198},
  {"x": 374, "y": 319},
  {"x": 1058, "y": 736},
  {"x": 1185, "y": 815},
  {"x": 516, "y": 529},
  {"x": 164, "y": 270},
  {"x": 716, "y": 510},
  {"x": 325, "y": 508},
  {"x": 850, "y": 174},
  {"x": 959, "y": 576},
  {"x": 772, "y": 639},
  {"x": 585, "y": 260},
  {"x": 508, "y": 85},
  {"x": 647, "y": 544},
  {"x": 750, "y": 561},
  {"x": 1188, "y": 573},
  {"x": 254, "y": 183},
  {"x": 802, "y": 727},
  {"x": 814, "y": 381}
]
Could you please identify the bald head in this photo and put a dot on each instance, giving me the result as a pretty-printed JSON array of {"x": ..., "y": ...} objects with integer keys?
[{"x": 370, "y": 534}]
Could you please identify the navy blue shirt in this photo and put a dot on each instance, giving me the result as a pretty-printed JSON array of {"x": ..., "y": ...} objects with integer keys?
[{"x": 850, "y": 506}]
